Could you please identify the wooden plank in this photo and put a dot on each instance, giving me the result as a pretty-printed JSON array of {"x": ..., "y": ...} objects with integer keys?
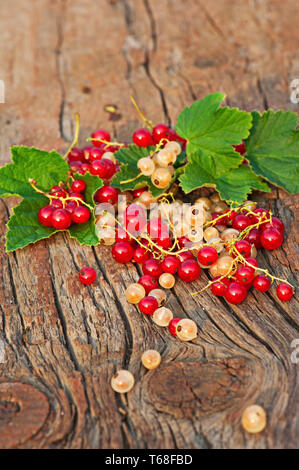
[{"x": 63, "y": 341}]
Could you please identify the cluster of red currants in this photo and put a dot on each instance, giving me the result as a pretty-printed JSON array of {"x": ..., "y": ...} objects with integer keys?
[{"x": 66, "y": 206}]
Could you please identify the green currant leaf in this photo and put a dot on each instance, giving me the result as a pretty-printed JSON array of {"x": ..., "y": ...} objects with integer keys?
[
  {"x": 273, "y": 148},
  {"x": 213, "y": 131},
  {"x": 233, "y": 185},
  {"x": 128, "y": 158},
  {"x": 86, "y": 233}
]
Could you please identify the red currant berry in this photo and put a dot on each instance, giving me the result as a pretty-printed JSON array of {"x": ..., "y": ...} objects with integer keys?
[
  {"x": 184, "y": 242},
  {"x": 223, "y": 221},
  {"x": 276, "y": 223},
  {"x": 107, "y": 194},
  {"x": 75, "y": 166},
  {"x": 170, "y": 264},
  {"x": 102, "y": 135},
  {"x": 254, "y": 237},
  {"x": 160, "y": 131},
  {"x": 45, "y": 215},
  {"x": 95, "y": 154},
  {"x": 152, "y": 267},
  {"x": 261, "y": 283},
  {"x": 148, "y": 282},
  {"x": 75, "y": 155},
  {"x": 252, "y": 261},
  {"x": 58, "y": 191},
  {"x": 245, "y": 275},
  {"x": 80, "y": 215},
  {"x": 61, "y": 219},
  {"x": 163, "y": 240},
  {"x": 70, "y": 206},
  {"x": 76, "y": 195},
  {"x": 56, "y": 203},
  {"x": 189, "y": 270},
  {"x": 78, "y": 186},
  {"x": 141, "y": 255},
  {"x": 240, "y": 222},
  {"x": 85, "y": 167},
  {"x": 142, "y": 138},
  {"x": 122, "y": 252},
  {"x": 284, "y": 291},
  {"x": 87, "y": 275},
  {"x": 185, "y": 256},
  {"x": 103, "y": 168},
  {"x": 172, "y": 326},
  {"x": 135, "y": 218},
  {"x": 260, "y": 211},
  {"x": 87, "y": 150},
  {"x": 235, "y": 293},
  {"x": 110, "y": 168},
  {"x": 137, "y": 192},
  {"x": 207, "y": 256},
  {"x": 243, "y": 247},
  {"x": 155, "y": 228},
  {"x": 271, "y": 239},
  {"x": 219, "y": 288},
  {"x": 148, "y": 305}
]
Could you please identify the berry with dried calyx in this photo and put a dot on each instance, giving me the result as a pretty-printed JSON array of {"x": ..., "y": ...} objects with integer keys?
[
  {"x": 186, "y": 329},
  {"x": 122, "y": 381},
  {"x": 87, "y": 275},
  {"x": 254, "y": 419}
]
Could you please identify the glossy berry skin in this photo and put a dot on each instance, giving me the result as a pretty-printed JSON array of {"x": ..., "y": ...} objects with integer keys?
[
  {"x": 106, "y": 194},
  {"x": 75, "y": 166},
  {"x": 160, "y": 131},
  {"x": 219, "y": 288},
  {"x": 56, "y": 203},
  {"x": 261, "y": 283},
  {"x": 75, "y": 155},
  {"x": 284, "y": 292},
  {"x": 172, "y": 326},
  {"x": 148, "y": 282},
  {"x": 61, "y": 219},
  {"x": 240, "y": 222},
  {"x": 45, "y": 215},
  {"x": 142, "y": 138},
  {"x": 245, "y": 275},
  {"x": 58, "y": 191},
  {"x": 76, "y": 195},
  {"x": 163, "y": 240},
  {"x": 95, "y": 154},
  {"x": 141, "y": 255},
  {"x": 254, "y": 237},
  {"x": 135, "y": 218},
  {"x": 137, "y": 192},
  {"x": 155, "y": 228},
  {"x": 189, "y": 270},
  {"x": 271, "y": 239},
  {"x": 78, "y": 186},
  {"x": 235, "y": 293},
  {"x": 148, "y": 305},
  {"x": 186, "y": 255},
  {"x": 122, "y": 252},
  {"x": 207, "y": 256},
  {"x": 170, "y": 264},
  {"x": 254, "y": 419},
  {"x": 103, "y": 168},
  {"x": 152, "y": 267},
  {"x": 100, "y": 134},
  {"x": 84, "y": 168},
  {"x": 80, "y": 215},
  {"x": 276, "y": 223},
  {"x": 243, "y": 247},
  {"x": 70, "y": 206},
  {"x": 252, "y": 262},
  {"x": 87, "y": 275}
]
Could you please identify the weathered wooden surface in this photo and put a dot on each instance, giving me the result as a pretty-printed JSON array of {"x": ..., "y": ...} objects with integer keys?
[{"x": 58, "y": 57}]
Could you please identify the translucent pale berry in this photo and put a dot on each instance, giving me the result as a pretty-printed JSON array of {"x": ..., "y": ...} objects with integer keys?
[
  {"x": 209, "y": 233},
  {"x": 161, "y": 178},
  {"x": 173, "y": 147},
  {"x": 146, "y": 166},
  {"x": 122, "y": 381},
  {"x": 134, "y": 293},
  {"x": 254, "y": 419},
  {"x": 151, "y": 359},
  {"x": 229, "y": 234},
  {"x": 173, "y": 325},
  {"x": 87, "y": 275},
  {"x": 166, "y": 280},
  {"x": 45, "y": 215},
  {"x": 160, "y": 295},
  {"x": 186, "y": 329},
  {"x": 162, "y": 316},
  {"x": 165, "y": 158},
  {"x": 148, "y": 305},
  {"x": 284, "y": 292},
  {"x": 224, "y": 265}
]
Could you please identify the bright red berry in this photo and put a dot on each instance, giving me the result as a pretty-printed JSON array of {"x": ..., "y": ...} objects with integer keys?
[
  {"x": 252, "y": 262},
  {"x": 254, "y": 237},
  {"x": 80, "y": 215},
  {"x": 244, "y": 275},
  {"x": 172, "y": 326},
  {"x": 103, "y": 168},
  {"x": 45, "y": 215},
  {"x": 155, "y": 228},
  {"x": 141, "y": 255},
  {"x": 61, "y": 219},
  {"x": 240, "y": 222},
  {"x": 142, "y": 138},
  {"x": 185, "y": 255},
  {"x": 261, "y": 283},
  {"x": 243, "y": 247},
  {"x": 58, "y": 191},
  {"x": 235, "y": 293},
  {"x": 95, "y": 154},
  {"x": 148, "y": 282},
  {"x": 170, "y": 264},
  {"x": 148, "y": 305},
  {"x": 276, "y": 223},
  {"x": 87, "y": 275},
  {"x": 153, "y": 267},
  {"x": 284, "y": 291},
  {"x": 85, "y": 167},
  {"x": 163, "y": 240},
  {"x": 56, "y": 203},
  {"x": 75, "y": 155},
  {"x": 122, "y": 252},
  {"x": 184, "y": 242},
  {"x": 78, "y": 186},
  {"x": 86, "y": 151},
  {"x": 160, "y": 131},
  {"x": 137, "y": 192},
  {"x": 102, "y": 135},
  {"x": 271, "y": 239},
  {"x": 219, "y": 288},
  {"x": 70, "y": 206},
  {"x": 107, "y": 194},
  {"x": 189, "y": 270},
  {"x": 135, "y": 218},
  {"x": 76, "y": 195},
  {"x": 207, "y": 256}
]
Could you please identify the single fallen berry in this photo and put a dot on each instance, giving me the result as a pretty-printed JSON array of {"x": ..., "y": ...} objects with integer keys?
[
  {"x": 173, "y": 325},
  {"x": 122, "y": 381},
  {"x": 45, "y": 215},
  {"x": 151, "y": 359},
  {"x": 87, "y": 275},
  {"x": 61, "y": 219},
  {"x": 80, "y": 215},
  {"x": 122, "y": 252},
  {"x": 148, "y": 282},
  {"x": 271, "y": 239},
  {"x": 134, "y": 293},
  {"x": 235, "y": 293},
  {"x": 162, "y": 316},
  {"x": 254, "y": 419},
  {"x": 189, "y": 270},
  {"x": 167, "y": 280},
  {"x": 284, "y": 292},
  {"x": 261, "y": 283},
  {"x": 148, "y": 305},
  {"x": 186, "y": 329}
]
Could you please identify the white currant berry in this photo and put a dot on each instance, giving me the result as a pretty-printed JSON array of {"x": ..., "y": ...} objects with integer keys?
[
  {"x": 151, "y": 359},
  {"x": 161, "y": 178},
  {"x": 162, "y": 316},
  {"x": 173, "y": 147},
  {"x": 122, "y": 381},
  {"x": 165, "y": 158},
  {"x": 146, "y": 166},
  {"x": 160, "y": 295},
  {"x": 207, "y": 204},
  {"x": 210, "y": 232},
  {"x": 229, "y": 234},
  {"x": 186, "y": 329},
  {"x": 134, "y": 293},
  {"x": 254, "y": 419},
  {"x": 167, "y": 280}
]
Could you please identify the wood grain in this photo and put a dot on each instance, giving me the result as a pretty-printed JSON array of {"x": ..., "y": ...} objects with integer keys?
[{"x": 63, "y": 341}]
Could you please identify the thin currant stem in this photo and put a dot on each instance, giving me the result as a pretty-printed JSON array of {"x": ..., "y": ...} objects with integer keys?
[
  {"x": 76, "y": 137},
  {"x": 107, "y": 144},
  {"x": 149, "y": 124}
]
